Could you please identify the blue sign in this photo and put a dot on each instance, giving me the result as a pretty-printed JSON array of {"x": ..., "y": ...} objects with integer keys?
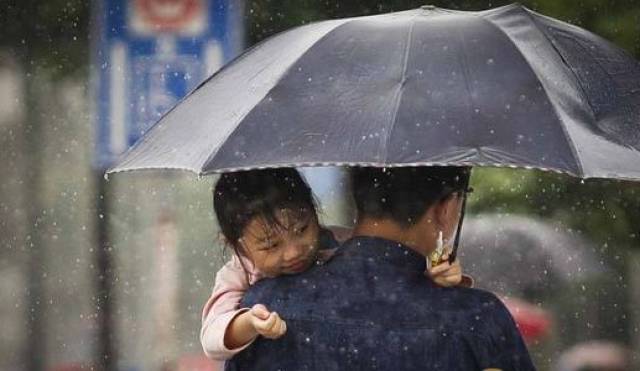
[{"x": 149, "y": 54}]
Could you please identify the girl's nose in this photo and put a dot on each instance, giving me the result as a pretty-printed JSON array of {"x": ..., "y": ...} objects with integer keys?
[{"x": 292, "y": 251}]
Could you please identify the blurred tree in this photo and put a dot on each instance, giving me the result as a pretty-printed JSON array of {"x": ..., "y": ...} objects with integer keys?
[{"x": 52, "y": 35}]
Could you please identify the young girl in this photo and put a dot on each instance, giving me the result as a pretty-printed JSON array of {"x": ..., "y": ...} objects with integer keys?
[{"x": 268, "y": 218}]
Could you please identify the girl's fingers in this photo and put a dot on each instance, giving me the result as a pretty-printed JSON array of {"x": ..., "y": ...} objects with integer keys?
[
  {"x": 263, "y": 326},
  {"x": 281, "y": 328},
  {"x": 454, "y": 273},
  {"x": 438, "y": 269},
  {"x": 277, "y": 328},
  {"x": 445, "y": 266},
  {"x": 260, "y": 311}
]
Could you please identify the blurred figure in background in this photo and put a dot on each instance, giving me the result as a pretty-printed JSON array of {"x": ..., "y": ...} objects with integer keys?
[{"x": 599, "y": 355}]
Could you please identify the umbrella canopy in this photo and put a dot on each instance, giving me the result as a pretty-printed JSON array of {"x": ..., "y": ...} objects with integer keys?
[
  {"x": 503, "y": 87},
  {"x": 524, "y": 257}
]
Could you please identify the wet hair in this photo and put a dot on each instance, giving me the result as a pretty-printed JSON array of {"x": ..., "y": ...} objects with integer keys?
[
  {"x": 404, "y": 194},
  {"x": 240, "y": 197}
]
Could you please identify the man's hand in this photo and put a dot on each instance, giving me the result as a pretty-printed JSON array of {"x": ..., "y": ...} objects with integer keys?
[
  {"x": 446, "y": 274},
  {"x": 267, "y": 324}
]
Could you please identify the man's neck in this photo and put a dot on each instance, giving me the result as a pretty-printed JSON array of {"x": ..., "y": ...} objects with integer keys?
[{"x": 390, "y": 230}]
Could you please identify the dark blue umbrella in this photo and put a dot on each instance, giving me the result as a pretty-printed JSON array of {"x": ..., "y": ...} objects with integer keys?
[{"x": 502, "y": 87}]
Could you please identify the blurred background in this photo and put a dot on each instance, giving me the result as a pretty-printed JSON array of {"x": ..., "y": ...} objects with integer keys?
[{"x": 98, "y": 274}]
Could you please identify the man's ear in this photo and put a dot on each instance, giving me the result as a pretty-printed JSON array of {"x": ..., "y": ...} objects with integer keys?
[{"x": 443, "y": 209}]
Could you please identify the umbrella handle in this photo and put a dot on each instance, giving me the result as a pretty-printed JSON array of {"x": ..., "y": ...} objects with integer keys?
[{"x": 456, "y": 241}]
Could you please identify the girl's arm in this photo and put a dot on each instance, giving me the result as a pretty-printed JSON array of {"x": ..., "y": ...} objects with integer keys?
[
  {"x": 222, "y": 308},
  {"x": 227, "y": 330}
]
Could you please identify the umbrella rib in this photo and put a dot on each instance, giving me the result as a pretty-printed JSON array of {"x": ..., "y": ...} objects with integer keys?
[
  {"x": 572, "y": 145},
  {"x": 403, "y": 81}
]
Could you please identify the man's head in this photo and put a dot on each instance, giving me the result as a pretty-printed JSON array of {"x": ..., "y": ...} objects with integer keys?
[{"x": 421, "y": 201}]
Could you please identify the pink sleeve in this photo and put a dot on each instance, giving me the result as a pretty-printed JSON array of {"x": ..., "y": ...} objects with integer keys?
[{"x": 221, "y": 308}]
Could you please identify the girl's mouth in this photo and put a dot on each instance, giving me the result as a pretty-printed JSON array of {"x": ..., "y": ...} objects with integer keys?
[{"x": 297, "y": 266}]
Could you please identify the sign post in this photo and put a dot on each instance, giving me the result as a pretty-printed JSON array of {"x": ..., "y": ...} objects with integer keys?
[{"x": 147, "y": 55}]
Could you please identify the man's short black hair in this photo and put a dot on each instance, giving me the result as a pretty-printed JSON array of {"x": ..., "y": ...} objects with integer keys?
[{"x": 403, "y": 194}]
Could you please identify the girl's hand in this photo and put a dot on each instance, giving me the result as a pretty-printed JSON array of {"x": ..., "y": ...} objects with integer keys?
[
  {"x": 445, "y": 274},
  {"x": 267, "y": 324}
]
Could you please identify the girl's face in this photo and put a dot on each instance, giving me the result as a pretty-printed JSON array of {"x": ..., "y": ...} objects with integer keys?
[{"x": 288, "y": 247}]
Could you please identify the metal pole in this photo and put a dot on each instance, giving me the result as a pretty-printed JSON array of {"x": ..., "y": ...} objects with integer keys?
[
  {"x": 633, "y": 274},
  {"x": 35, "y": 346},
  {"x": 106, "y": 355}
]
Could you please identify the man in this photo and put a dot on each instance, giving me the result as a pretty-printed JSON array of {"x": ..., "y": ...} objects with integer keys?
[{"x": 372, "y": 307}]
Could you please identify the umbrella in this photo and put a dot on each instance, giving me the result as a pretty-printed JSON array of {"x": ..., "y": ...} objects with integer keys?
[
  {"x": 429, "y": 86},
  {"x": 525, "y": 257}
]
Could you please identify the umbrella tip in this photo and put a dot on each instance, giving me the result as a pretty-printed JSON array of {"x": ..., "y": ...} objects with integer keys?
[{"x": 428, "y": 7}]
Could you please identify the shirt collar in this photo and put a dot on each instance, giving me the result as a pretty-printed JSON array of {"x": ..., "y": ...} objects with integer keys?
[
  {"x": 326, "y": 239},
  {"x": 383, "y": 250}
]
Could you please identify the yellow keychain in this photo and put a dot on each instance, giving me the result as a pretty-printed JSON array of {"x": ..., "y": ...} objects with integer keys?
[{"x": 435, "y": 257}]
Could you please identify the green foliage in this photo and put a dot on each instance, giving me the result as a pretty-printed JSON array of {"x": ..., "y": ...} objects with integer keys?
[
  {"x": 618, "y": 21},
  {"x": 606, "y": 211},
  {"x": 55, "y": 33},
  {"x": 52, "y": 35}
]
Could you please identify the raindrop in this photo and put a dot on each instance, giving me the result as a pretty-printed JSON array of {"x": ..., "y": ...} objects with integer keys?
[{"x": 490, "y": 61}]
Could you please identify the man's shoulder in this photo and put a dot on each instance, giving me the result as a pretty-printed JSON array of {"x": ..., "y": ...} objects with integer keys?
[
  {"x": 478, "y": 301},
  {"x": 283, "y": 288},
  {"x": 487, "y": 312}
]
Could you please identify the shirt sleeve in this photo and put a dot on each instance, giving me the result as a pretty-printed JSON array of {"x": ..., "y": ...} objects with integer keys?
[
  {"x": 501, "y": 345},
  {"x": 221, "y": 308}
]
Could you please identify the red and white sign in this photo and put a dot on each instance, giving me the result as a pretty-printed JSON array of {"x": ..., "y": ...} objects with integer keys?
[{"x": 179, "y": 17}]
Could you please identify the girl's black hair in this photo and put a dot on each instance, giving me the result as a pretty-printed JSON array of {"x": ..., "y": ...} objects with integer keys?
[{"x": 240, "y": 197}]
